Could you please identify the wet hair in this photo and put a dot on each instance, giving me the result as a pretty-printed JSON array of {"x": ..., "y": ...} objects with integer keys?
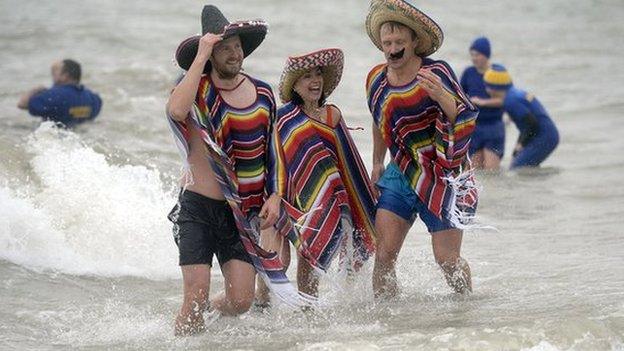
[
  {"x": 298, "y": 100},
  {"x": 397, "y": 26},
  {"x": 72, "y": 69}
]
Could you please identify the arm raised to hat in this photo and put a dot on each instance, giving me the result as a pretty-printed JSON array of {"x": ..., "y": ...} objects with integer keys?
[{"x": 182, "y": 98}]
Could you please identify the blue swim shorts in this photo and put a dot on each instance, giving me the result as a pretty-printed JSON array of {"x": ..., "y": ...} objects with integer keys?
[{"x": 398, "y": 197}]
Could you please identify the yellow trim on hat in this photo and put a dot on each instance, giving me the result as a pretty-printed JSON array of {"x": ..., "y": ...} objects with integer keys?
[{"x": 497, "y": 77}]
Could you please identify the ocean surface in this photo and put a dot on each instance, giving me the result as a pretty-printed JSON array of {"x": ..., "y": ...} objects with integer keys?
[{"x": 87, "y": 260}]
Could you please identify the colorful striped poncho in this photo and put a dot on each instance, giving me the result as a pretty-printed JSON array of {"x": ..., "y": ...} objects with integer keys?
[
  {"x": 236, "y": 141},
  {"x": 317, "y": 171},
  {"x": 424, "y": 144}
]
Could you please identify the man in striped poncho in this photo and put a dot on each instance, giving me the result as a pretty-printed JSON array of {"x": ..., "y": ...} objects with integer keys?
[
  {"x": 221, "y": 119},
  {"x": 423, "y": 117}
]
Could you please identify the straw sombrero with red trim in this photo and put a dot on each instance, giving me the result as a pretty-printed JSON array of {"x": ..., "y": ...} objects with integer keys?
[
  {"x": 331, "y": 62},
  {"x": 428, "y": 34}
]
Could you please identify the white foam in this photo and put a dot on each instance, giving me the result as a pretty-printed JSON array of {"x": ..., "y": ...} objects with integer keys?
[
  {"x": 85, "y": 215},
  {"x": 542, "y": 346}
]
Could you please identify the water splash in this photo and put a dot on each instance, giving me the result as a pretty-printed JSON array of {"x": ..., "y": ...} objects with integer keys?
[{"x": 80, "y": 214}]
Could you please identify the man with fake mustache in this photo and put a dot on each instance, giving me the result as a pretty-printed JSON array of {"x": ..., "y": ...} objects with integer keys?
[{"x": 424, "y": 118}]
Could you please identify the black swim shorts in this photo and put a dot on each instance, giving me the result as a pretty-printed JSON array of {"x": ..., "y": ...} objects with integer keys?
[{"x": 203, "y": 227}]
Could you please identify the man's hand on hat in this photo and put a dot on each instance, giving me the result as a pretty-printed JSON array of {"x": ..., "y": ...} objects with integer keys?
[{"x": 206, "y": 44}]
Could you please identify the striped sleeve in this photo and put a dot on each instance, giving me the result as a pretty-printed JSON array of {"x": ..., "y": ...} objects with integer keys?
[
  {"x": 372, "y": 83},
  {"x": 277, "y": 176},
  {"x": 453, "y": 139},
  {"x": 201, "y": 104},
  {"x": 270, "y": 186}
]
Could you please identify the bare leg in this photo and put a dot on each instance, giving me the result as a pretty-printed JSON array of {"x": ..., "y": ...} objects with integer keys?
[
  {"x": 477, "y": 159},
  {"x": 391, "y": 230},
  {"x": 271, "y": 241},
  {"x": 446, "y": 250},
  {"x": 307, "y": 279},
  {"x": 239, "y": 288},
  {"x": 491, "y": 161},
  {"x": 196, "y": 288}
]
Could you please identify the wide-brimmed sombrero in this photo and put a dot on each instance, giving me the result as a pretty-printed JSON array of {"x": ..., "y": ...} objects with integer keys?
[
  {"x": 428, "y": 34},
  {"x": 251, "y": 34},
  {"x": 331, "y": 62}
]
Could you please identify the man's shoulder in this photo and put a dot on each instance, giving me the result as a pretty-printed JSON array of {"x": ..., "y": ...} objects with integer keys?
[
  {"x": 263, "y": 87},
  {"x": 58, "y": 90},
  {"x": 516, "y": 94},
  {"x": 375, "y": 73},
  {"x": 48, "y": 102},
  {"x": 469, "y": 72},
  {"x": 514, "y": 97},
  {"x": 204, "y": 83},
  {"x": 78, "y": 94},
  {"x": 440, "y": 67},
  {"x": 259, "y": 82},
  {"x": 50, "y": 95},
  {"x": 431, "y": 63},
  {"x": 68, "y": 88},
  {"x": 90, "y": 92},
  {"x": 377, "y": 70}
]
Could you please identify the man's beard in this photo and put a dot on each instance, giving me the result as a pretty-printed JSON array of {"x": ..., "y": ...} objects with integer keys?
[{"x": 227, "y": 72}]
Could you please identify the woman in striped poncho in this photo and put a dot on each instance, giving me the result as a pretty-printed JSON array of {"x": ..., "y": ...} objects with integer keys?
[{"x": 316, "y": 170}]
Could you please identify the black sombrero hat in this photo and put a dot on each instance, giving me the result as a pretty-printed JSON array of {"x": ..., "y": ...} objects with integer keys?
[{"x": 251, "y": 34}]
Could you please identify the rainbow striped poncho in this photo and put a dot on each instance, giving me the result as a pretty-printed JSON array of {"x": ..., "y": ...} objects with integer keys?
[
  {"x": 236, "y": 142},
  {"x": 316, "y": 169},
  {"x": 429, "y": 149}
]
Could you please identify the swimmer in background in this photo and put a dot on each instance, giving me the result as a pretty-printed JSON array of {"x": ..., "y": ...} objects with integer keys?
[
  {"x": 67, "y": 101},
  {"x": 538, "y": 134}
]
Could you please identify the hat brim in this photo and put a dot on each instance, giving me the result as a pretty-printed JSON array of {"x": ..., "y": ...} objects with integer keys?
[
  {"x": 331, "y": 62},
  {"x": 251, "y": 34},
  {"x": 428, "y": 33}
]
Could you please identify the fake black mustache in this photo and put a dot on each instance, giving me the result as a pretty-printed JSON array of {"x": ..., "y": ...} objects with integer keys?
[{"x": 397, "y": 55}]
